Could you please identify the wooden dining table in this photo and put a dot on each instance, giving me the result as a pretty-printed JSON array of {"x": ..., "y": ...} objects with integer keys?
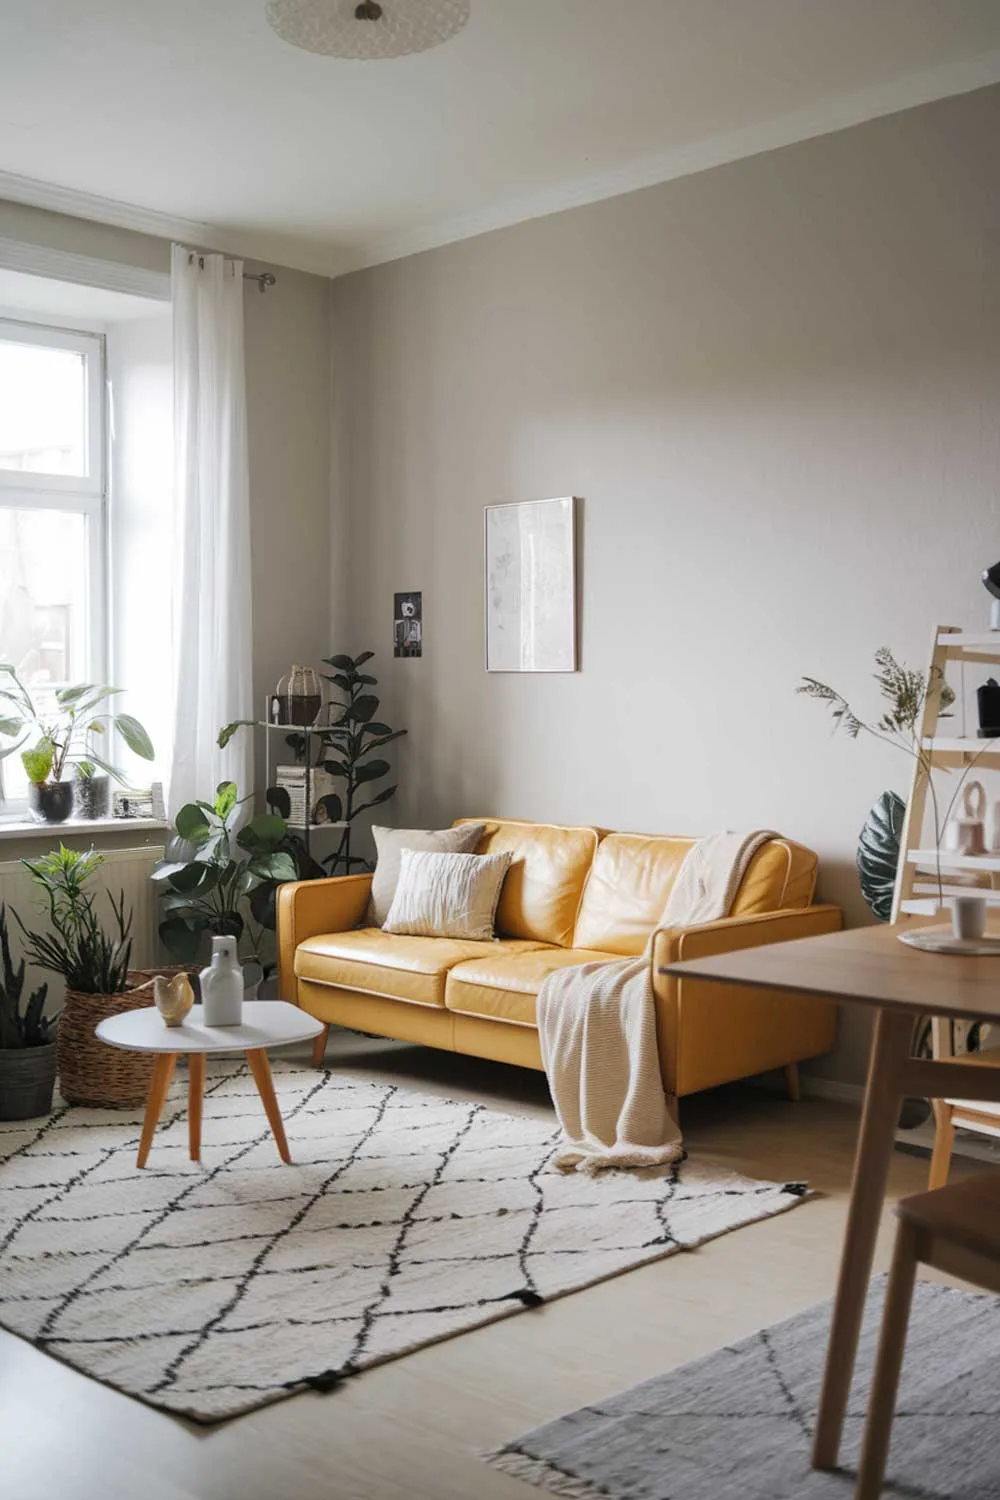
[{"x": 870, "y": 966}]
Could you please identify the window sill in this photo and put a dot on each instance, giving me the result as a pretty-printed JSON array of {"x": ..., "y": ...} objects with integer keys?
[{"x": 27, "y": 828}]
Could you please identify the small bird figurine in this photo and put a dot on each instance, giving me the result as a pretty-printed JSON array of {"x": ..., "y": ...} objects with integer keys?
[{"x": 173, "y": 998}]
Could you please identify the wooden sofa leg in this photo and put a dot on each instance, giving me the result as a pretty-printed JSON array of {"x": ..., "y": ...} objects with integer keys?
[
  {"x": 319, "y": 1047},
  {"x": 792, "y": 1082}
]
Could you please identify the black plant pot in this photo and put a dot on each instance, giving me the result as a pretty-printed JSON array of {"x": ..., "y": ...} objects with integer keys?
[
  {"x": 93, "y": 796},
  {"x": 27, "y": 1077},
  {"x": 52, "y": 802}
]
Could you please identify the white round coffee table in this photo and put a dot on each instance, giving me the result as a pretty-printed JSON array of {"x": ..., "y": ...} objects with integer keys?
[{"x": 266, "y": 1023}]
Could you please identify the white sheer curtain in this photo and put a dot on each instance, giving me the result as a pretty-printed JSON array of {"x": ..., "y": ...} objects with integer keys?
[{"x": 212, "y": 604}]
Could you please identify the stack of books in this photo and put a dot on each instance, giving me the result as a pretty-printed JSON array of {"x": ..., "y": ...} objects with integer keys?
[{"x": 292, "y": 779}]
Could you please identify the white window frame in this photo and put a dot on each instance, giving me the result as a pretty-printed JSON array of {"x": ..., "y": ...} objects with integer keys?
[{"x": 86, "y": 494}]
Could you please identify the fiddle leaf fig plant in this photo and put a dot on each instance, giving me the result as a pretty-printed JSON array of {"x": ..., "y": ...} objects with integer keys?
[
  {"x": 64, "y": 730},
  {"x": 349, "y": 752}
]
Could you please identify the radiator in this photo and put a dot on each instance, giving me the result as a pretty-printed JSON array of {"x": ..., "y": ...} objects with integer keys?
[{"x": 125, "y": 870}]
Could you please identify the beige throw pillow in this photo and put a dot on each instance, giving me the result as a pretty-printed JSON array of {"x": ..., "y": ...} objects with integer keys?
[
  {"x": 447, "y": 895},
  {"x": 389, "y": 845}
]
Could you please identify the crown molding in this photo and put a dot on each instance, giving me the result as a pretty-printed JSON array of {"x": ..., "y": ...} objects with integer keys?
[
  {"x": 824, "y": 118},
  {"x": 292, "y": 253},
  {"x": 302, "y": 254}
]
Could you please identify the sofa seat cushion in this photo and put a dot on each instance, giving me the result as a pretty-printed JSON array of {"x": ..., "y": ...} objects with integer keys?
[
  {"x": 504, "y": 987},
  {"x": 385, "y": 963}
]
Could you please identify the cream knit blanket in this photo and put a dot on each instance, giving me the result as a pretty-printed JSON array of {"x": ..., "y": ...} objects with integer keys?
[{"x": 597, "y": 1027}]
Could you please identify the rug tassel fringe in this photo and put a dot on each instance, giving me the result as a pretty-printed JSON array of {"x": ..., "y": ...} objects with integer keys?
[
  {"x": 326, "y": 1380},
  {"x": 536, "y": 1471}
]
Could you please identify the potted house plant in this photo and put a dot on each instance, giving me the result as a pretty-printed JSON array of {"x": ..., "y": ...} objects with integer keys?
[
  {"x": 347, "y": 752},
  {"x": 218, "y": 881},
  {"x": 63, "y": 733},
  {"x": 27, "y": 1047},
  {"x": 93, "y": 791},
  {"x": 95, "y": 963}
]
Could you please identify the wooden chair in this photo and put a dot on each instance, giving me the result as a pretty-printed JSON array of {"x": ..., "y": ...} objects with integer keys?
[
  {"x": 957, "y": 1230},
  {"x": 950, "y": 1113}
]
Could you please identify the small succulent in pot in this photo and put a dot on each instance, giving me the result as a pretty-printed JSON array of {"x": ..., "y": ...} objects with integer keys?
[
  {"x": 27, "y": 1045},
  {"x": 64, "y": 731}
]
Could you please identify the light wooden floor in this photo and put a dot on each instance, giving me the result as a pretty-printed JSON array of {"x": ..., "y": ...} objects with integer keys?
[{"x": 413, "y": 1428}]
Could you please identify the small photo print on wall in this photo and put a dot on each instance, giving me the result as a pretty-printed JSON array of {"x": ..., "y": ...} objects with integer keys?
[{"x": 408, "y": 625}]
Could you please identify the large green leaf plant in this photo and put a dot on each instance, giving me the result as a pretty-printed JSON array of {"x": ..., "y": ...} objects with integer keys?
[
  {"x": 351, "y": 752},
  {"x": 66, "y": 732},
  {"x": 218, "y": 880}
]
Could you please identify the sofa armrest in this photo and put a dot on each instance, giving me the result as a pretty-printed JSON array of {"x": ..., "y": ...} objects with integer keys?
[
  {"x": 674, "y": 944},
  {"x": 306, "y": 908},
  {"x": 711, "y": 1033}
]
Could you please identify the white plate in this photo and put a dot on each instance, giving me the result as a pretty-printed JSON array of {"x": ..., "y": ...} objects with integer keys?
[{"x": 943, "y": 940}]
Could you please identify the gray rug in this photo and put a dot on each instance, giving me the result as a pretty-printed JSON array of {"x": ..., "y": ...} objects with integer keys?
[
  {"x": 737, "y": 1424},
  {"x": 405, "y": 1218}
]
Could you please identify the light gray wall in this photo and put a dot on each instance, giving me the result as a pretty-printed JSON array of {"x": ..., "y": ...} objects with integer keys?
[
  {"x": 777, "y": 387},
  {"x": 288, "y": 400}
]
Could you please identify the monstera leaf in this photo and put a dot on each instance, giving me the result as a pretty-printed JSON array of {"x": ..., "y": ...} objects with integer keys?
[{"x": 878, "y": 853}]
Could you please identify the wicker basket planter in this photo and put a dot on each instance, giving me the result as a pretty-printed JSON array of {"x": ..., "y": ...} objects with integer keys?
[{"x": 90, "y": 1072}]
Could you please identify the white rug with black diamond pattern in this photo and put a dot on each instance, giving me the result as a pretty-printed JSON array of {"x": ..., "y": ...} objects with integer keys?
[{"x": 210, "y": 1289}]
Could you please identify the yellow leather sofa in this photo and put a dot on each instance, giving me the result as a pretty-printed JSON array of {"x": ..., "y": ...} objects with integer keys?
[{"x": 572, "y": 896}]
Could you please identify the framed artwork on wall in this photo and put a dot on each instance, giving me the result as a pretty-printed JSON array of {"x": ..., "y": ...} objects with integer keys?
[
  {"x": 531, "y": 586},
  {"x": 408, "y": 624}
]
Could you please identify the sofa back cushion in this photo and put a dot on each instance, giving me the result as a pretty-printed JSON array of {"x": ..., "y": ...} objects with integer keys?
[
  {"x": 540, "y": 898},
  {"x": 633, "y": 873}
]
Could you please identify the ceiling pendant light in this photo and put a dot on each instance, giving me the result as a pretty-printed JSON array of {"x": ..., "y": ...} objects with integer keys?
[{"x": 371, "y": 29}]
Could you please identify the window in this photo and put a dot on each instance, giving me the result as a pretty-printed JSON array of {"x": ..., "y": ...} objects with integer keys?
[{"x": 52, "y": 514}]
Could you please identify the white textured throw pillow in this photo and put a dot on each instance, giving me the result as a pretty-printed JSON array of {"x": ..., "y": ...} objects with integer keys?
[
  {"x": 389, "y": 845},
  {"x": 447, "y": 895}
]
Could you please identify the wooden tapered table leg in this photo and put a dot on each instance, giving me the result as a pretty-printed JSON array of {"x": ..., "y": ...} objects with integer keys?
[
  {"x": 883, "y": 1095},
  {"x": 319, "y": 1047},
  {"x": 163, "y": 1071},
  {"x": 196, "y": 1093},
  {"x": 261, "y": 1070}
]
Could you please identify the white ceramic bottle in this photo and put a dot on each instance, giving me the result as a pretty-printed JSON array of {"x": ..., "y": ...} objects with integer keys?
[{"x": 222, "y": 985}]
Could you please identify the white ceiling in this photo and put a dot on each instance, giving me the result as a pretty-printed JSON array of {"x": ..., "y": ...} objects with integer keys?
[{"x": 193, "y": 119}]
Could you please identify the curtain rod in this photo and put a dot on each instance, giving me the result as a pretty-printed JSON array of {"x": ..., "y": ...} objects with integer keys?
[{"x": 264, "y": 279}]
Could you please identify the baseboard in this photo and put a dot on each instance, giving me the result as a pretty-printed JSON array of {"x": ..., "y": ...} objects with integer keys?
[
  {"x": 832, "y": 1088},
  {"x": 918, "y": 1142}
]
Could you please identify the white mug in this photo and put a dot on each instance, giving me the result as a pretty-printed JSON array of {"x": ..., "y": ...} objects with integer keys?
[{"x": 968, "y": 917}]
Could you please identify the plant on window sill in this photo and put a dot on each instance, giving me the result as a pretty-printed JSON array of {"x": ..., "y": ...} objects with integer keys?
[{"x": 63, "y": 737}]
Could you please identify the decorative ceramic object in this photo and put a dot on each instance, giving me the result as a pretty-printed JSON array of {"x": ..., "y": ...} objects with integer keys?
[
  {"x": 968, "y": 917},
  {"x": 173, "y": 998},
  {"x": 222, "y": 985},
  {"x": 988, "y": 701},
  {"x": 967, "y": 834},
  {"x": 301, "y": 696}
]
